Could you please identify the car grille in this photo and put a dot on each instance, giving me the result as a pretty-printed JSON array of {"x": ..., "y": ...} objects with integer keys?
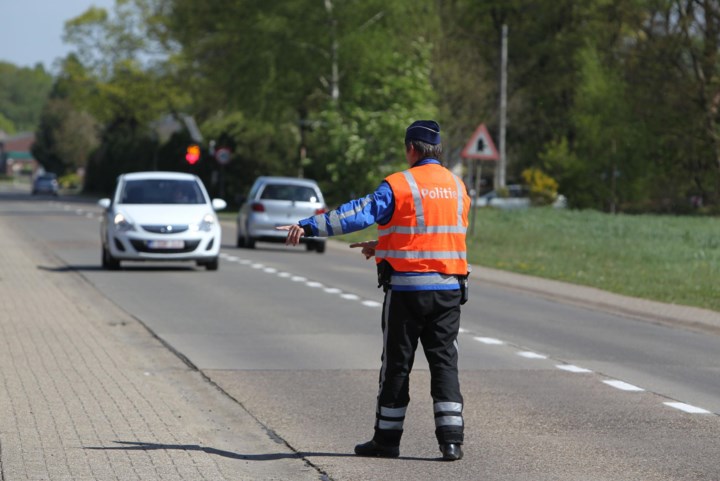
[
  {"x": 165, "y": 229},
  {"x": 141, "y": 246}
]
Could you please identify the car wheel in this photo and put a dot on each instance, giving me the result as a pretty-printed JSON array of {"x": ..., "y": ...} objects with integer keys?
[
  {"x": 240, "y": 241},
  {"x": 320, "y": 247},
  {"x": 108, "y": 261},
  {"x": 213, "y": 264},
  {"x": 310, "y": 246},
  {"x": 250, "y": 243}
]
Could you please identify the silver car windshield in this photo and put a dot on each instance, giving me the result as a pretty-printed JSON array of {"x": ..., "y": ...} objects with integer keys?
[
  {"x": 297, "y": 193},
  {"x": 161, "y": 191}
]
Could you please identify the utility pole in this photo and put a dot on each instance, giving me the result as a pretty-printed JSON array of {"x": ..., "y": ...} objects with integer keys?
[
  {"x": 334, "y": 47},
  {"x": 502, "y": 162}
]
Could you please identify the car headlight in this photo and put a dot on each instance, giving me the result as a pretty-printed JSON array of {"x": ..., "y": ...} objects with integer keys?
[
  {"x": 205, "y": 225},
  {"x": 122, "y": 224}
]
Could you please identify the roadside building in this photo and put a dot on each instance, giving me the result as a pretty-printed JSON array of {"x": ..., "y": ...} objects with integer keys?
[{"x": 16, "y": 158}]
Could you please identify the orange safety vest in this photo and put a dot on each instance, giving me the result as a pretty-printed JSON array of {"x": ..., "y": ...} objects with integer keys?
[{"x": 426, "y": 232}]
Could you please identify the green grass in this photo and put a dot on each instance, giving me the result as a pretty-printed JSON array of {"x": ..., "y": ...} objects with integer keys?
[{"x": 664, "y": 258}]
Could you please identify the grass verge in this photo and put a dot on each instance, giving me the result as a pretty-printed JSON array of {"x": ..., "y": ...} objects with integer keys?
[{"x": 663, "y": 258}]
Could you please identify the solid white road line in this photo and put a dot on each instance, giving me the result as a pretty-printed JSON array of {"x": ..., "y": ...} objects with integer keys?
[
  {"x": 687, "y": 408},
  {"x": 623, "y": 386}
]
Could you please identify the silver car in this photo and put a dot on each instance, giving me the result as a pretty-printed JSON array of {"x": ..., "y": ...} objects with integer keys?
[{"x": 277, "y": 201}]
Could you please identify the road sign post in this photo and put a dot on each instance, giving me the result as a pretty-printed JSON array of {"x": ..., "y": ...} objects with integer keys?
[
  {"x": 479, "y": 147},
  {"x": 222, "y": 156}
]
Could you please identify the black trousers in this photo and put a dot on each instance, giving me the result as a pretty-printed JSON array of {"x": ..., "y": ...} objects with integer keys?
[{"x": 433, "y": 318}]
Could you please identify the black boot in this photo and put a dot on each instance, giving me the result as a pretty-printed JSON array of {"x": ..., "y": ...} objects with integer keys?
[
  {"x": 451, "y": 451},
  {"x": 371, "y": 448}
]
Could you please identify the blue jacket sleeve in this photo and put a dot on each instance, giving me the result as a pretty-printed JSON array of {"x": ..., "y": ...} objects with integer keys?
[{"x": 353, "y": 216}]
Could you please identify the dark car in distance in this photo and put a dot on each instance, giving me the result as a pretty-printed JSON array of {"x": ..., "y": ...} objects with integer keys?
[{"x": 45, "y": 184}]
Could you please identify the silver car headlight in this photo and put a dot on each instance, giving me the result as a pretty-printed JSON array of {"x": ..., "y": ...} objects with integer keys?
[
  {"x": 122, "y": 223},
  {"x": 205, "y": 225}
]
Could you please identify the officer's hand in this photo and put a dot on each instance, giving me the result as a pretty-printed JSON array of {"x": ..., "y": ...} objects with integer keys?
[
  {"x": 368, "y": 247},
  {"x": 295, "y": 232}
]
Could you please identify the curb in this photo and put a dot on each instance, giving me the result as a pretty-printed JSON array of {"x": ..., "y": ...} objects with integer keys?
[{"x": 590, "y": 297}]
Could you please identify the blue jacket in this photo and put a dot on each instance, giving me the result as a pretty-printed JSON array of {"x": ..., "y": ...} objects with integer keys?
[{"x": 361, "y": 213}]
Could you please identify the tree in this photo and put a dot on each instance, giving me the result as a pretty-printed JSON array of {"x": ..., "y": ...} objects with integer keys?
[
  {"x": 340, "y": 72},
  {"x": 65, "y": 137},
  {"x": 356, "y": 145},
  {"x": 122, "y": 73},
  {"x": 22, "y": 94},
  {"x": 676, "y": 72}
]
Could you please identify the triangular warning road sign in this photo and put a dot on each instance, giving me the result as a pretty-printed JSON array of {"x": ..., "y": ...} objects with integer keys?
[{"x": 480, "y": 146}]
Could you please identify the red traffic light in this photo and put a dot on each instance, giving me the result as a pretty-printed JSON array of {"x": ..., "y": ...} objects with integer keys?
[{"x": 192, "y": 155}]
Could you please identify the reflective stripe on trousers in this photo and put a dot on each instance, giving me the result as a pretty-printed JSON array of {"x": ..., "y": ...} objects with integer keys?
[
  {"x": 448, "y": 414},
  {"x": 390, "y": 418}
]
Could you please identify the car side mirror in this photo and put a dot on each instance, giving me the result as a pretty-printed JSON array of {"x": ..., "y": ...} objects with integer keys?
[
  {"x": 218, "y": 204},
  {"x": 105, "y": 203}
]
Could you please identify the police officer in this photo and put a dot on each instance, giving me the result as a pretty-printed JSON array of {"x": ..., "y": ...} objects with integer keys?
[{"x": 422, "y": 265}]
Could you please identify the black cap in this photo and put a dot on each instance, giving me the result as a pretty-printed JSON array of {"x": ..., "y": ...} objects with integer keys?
[{"x": 427, "y": 131}]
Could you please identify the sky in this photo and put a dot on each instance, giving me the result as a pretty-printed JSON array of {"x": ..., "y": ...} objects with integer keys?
[{"x": 31, "y": 30}]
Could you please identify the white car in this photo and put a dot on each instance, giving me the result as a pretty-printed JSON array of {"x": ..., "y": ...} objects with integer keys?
[{"x": 160, "y": 216}]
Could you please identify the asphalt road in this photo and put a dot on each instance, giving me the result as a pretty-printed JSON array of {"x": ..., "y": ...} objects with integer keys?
[{"x": 295, "y": 338}]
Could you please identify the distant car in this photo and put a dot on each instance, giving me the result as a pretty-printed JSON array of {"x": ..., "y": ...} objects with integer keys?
[
  {"x": 160, "y": 216},
  {"x": 518, "y": 197},
  {"x": 277, "y": 201},
  {"x": 45, "y": 184}
]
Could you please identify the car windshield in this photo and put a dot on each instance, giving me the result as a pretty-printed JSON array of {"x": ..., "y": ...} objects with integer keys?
[
  {"x": 161, "y": 191},
  {"x": 298, "y": 193},
  {"x": 47, "y": 177}
]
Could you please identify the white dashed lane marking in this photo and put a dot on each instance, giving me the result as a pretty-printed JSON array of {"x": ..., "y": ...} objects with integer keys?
[
  {"x": 617, "y": 384},
  {"x": 296, "y": 278},
  {"x": 572, "y": 368},
  {"x": 622, "y": 385},
  {"x": 531, "y": 355},
  {"x": 490, "y": 341},
  {"x": 687, "y": 408}
]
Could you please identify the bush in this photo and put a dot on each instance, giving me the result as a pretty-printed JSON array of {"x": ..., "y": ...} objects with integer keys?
[
  {"x": 543, "y": 188},
  {"x": 70, "y": 181}
]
